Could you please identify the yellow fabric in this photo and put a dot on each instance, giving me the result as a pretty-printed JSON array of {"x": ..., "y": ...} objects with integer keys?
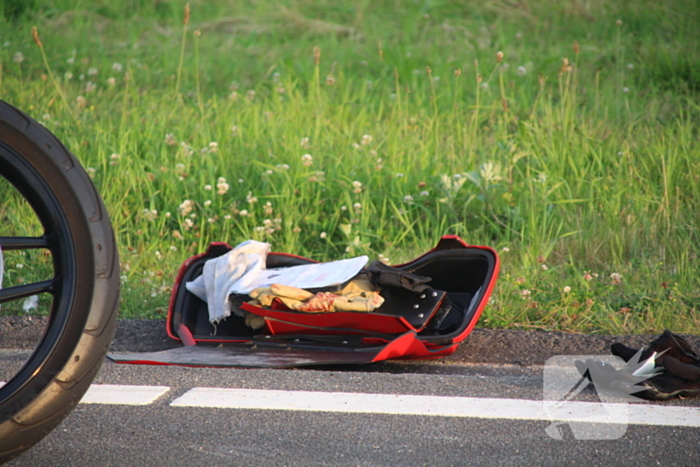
[{"x": 358, "y": 295}]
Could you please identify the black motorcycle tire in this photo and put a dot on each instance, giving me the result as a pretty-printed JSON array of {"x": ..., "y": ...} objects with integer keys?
[{"x": 84, "y": 288}]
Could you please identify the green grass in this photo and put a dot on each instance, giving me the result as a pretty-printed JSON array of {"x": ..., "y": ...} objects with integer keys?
[{"x": 572, "y": 173}]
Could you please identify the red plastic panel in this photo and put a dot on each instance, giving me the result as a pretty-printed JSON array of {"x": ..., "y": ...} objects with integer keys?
[{"x": 364, "y": 323}]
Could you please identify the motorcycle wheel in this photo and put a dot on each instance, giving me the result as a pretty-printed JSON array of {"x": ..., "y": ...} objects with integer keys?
[{"x": 81, "y": 284}]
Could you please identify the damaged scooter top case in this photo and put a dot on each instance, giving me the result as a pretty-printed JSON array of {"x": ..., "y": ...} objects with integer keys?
[{"x": 428, "y": 321}]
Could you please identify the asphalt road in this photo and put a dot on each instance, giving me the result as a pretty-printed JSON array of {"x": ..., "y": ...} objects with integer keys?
[{"x": 160, "y": 433}]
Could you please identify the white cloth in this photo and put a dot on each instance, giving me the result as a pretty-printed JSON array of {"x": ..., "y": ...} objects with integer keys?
[
  {"x": 220, "y": 274},
  {"x": 243, "y": 269}
]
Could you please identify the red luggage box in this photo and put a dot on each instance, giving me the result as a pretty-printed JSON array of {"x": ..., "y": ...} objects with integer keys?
[{"x": 409, "y": 325}]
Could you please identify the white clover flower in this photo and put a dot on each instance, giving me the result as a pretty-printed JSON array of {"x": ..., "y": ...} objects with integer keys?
[
  {"x": 567, "y": 289},
  {"x": 357, "y": 207},
  {"x": 158, "y": 255},
  {"x": 186, "y": 207},
  {"x": 90, "y": 87},
  {"x": 268, "y": 172},
  {"x": 221, "y": 186},
  {"x": 408, "y": 199},
  {"x": 250, "y": 95},
  {"x": 525, "y": 293},
  {"x": 188, "y": 223},
  {"x": 207, "y": 203},
  {"x": 484, "y": 86},
  {"x": 207, "y": 187},
  {"x": 323, "y": 235},
  {"x": 343, "y": 208},
  {"x": 399, "y": 175},
  {"x": 505, "y": 249},
  {"x": 625, "y": 89},
  {"x": 522, "y": 71},
  {"x": 18, "y": 58},
  {"x": 357, "y": 187},
  {"x": 307, "y": 159},
  {"x": 366, "y": 139},
  {"x": 91, "y": 172},
  {"x": 305, "y": 142},
  {"x": 111, "y": 81},
  {"x": 545, "y": 267},
  {"x": 234, "y": 130},
  {"x": 243, "y": 213},
  {"x": 68, "y": 76},
  {"x": 268, "y": 208},
  {"x": 630, "y": 66},
  {"x": 149, "y": 215},
  {"x": 250, "y": 198},
  {"x": 92, "y": 71},
  {"x": 211, "y": 220},
  {"x": 213, "y": 146},
  {"x": 424, "y": 193},
  {"x": 616, "y": 278},
  {"x": 118, "y": 67},
  {"x": 173, "y": 248}
]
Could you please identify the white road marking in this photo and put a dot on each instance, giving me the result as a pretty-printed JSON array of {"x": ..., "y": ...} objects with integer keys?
[
  {"x": 122, "y": 394},
  {"x": 399, "y": 404}
]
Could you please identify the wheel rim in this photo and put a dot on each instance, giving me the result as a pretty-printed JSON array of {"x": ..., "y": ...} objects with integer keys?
[{"x": 48, "y": 357}]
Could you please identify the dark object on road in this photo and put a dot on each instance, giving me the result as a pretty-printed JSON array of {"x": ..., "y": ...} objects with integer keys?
[
  {"x": 673, "y": 369},
  {"x": 430, "y": 305},
  {"x": 681, "y": 367}
]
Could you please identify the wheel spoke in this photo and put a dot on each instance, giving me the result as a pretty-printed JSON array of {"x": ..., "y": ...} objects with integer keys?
[
  {"x": 23, "y": 243},
  {"x": 26, "y": 290}
]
